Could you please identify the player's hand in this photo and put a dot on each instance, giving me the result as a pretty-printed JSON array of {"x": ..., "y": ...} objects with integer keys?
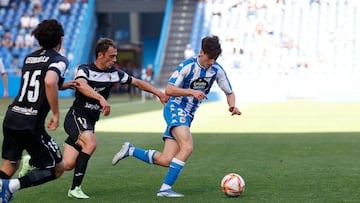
[
  {"x": 199, "y": 95},
  {"x": 105, "y": 107},
  {"x": 234, "y": 111},
  {"x": 69, "y": 84},
  {"x": 163, "y": 98},
  {"x": 53, "y": 122}
]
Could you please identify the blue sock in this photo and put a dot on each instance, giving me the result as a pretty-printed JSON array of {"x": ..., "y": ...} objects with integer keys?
[
  {"x": 144, "y": 155},
  {"x": 174, "y": 171}
]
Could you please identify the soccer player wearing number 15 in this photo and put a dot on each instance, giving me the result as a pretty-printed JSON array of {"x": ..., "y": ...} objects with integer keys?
[
  {"x": 24, "y": 124},
  {"x": 187, "y": 87}
]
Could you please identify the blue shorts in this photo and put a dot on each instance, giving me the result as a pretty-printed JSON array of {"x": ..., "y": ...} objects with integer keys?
[{"x": 175, "y": 115}]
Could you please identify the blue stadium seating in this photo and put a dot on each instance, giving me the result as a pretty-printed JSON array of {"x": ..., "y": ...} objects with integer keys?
[{"x": 10, "y": 18}]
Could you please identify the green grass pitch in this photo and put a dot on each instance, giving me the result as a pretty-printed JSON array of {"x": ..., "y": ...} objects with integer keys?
[{"x": 298, "y": 151}]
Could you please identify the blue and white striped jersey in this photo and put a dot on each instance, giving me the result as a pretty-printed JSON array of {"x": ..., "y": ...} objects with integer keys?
[{"x": 190, "y": 74}]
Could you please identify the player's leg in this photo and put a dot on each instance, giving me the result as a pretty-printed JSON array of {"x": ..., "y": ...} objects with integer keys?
[
  {"x": 46, "y": 157},
  {"x": 149, "y": 156},
  {"x": 8, "y": 168},
  {"x": 184, "y": 140},
  {"x": 78, "y": 148},
  {"x": 178, "y": 128},
  {"x": 171, "y": 148},
  {"x": 87, "y": 142},
  {"x": 11, "y": 154},
  {"x": 70, "y": 156},
  {"x": 129, "y": 149}
]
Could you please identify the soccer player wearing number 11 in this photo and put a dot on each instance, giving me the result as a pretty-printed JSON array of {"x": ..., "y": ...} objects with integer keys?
[
  {"x": 24, "y": 124},
  {"x": 187, "y": 87}
]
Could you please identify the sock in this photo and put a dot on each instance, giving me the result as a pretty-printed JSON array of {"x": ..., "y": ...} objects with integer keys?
[
  {"x": 174, "y": 171},
  {"x": 14, "y": 185},
  {"x": 144, "y": 155},
  {"x": 4, "y": 175},
  {"x": 37, "y": 177},
  {"x": 80, "y": 168},
  {"x": 165, "y": 187}
]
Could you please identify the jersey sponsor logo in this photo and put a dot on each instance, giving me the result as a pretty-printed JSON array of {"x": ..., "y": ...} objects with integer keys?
[
  {"x": 99, "y": 89},
  {"x": 24, "y": 110},
  {"x": 199, "y": 84},
  {"x": 92, "y": 106},
  {"x": 40, "y": 59}
]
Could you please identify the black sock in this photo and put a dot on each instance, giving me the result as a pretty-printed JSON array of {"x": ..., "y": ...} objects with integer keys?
[
  {"x": 37, "y": 177},
  {"x": 4, "y": 175},
  {"x": 80, "y": 168}
]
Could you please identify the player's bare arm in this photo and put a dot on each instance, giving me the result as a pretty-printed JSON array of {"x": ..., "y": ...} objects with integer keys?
[
  {"x": 71, "y": 84},
  {"x": 86, "y": 90},
  {"x": 51, "y": 89},
  {"x": 149, "y": 88},
  {"x": 231, "y": 102},
  {"x": 172, "y": 90}
]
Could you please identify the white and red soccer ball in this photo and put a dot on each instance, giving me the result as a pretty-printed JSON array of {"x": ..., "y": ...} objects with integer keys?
[{"x": 233, "y": 185}]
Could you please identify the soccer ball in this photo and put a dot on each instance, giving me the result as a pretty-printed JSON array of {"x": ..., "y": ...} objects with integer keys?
[{"x": 233, "y": 185}]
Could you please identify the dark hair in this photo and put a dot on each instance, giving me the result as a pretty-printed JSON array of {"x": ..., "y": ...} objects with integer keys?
[
  {"x": 211, "y": 46},
  {"x": 103, "y": 45},
  {"x": 48, "y": 33}
]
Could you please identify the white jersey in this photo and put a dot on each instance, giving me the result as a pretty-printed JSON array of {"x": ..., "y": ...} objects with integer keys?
[{"x": 191, "y": 75}]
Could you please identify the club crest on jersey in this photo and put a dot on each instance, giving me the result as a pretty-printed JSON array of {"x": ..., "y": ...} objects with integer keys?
[{"x": 199, "y": 84}]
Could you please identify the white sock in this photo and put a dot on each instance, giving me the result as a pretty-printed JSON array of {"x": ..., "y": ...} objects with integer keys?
[
  {"x": 14, "y": 185},
  {"x": 165, "y": 187},
  {"x": 131, "y": 151}
]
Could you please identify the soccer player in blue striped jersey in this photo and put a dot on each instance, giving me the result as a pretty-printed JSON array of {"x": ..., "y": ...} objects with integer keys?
[{"x": 187, "y": 87}]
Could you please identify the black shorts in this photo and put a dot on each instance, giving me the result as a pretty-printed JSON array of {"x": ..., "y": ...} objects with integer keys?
[
  {"x": 42, "y": 148},
  {"x": 75, "y": 123}
]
